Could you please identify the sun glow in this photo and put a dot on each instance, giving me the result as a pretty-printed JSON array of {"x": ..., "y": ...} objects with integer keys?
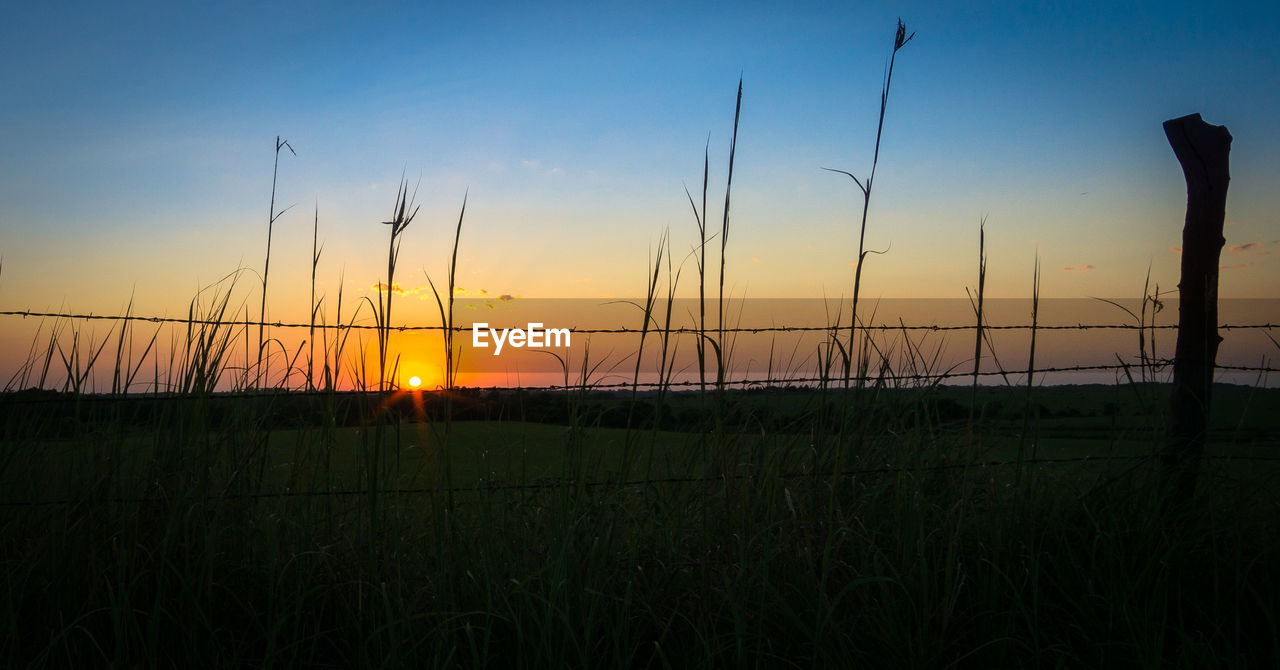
[{"x": 419, "y": 375}]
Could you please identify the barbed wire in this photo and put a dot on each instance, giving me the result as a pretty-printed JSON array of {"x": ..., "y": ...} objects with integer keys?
[
  {"x": 620, "y": 330},
  {"x": 665, "y": 384},
  {"x": 779, "y": 383},
  {"x": 493, "y": 486},
  {"x": 764, "y": 383}
]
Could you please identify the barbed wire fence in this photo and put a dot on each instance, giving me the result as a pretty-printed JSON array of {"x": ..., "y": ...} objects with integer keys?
[
  {"x": 746, "y": 382},
  {"x": 620, "y": 330},
  {"x": 781, "y": 380}
]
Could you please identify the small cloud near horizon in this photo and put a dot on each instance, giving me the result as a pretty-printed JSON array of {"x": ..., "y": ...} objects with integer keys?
[
  {"x": 536, "y": 165},
  {"x": 1078, "y": 268},
  {"x": 1241, "y": 248},
  {"x": 1176, "y": 250},
  {"x": 420, "y": 291},
  {"x": 482, "y": 296}
]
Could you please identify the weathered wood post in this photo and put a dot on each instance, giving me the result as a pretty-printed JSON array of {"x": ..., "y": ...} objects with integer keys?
[{"x": 1202, "y": 150}]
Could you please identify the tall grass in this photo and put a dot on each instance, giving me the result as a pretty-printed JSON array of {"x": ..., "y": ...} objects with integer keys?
[
  {"x": 700, "y": 256},
  {"x": 402, "y": 214},
  {"x": 976, "y": 300},
  {"x": 1031, "y": 414},
  {"x": 700, "y": 253},
  {"x": 266, "y": 264},
  {"x": 209, "y": 338},
  {"x": 314, "y": 307},
  {"x": 124, "y": 372},
  {"x": 900, "y": 40},
  {"x": 452, "y": 353},
  {"x": 724, "y": 243}
]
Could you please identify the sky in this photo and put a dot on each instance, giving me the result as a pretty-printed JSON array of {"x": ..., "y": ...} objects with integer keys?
[{"x": 137, "y": 146}]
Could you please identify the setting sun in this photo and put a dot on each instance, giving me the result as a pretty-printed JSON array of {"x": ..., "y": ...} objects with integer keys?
[{"x": 415, "y": 382}]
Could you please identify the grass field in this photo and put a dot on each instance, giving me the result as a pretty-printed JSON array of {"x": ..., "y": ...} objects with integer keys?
[{"x": 243, "y": 538}]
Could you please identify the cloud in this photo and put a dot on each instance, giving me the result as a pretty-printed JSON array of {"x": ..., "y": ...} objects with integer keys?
[
  {"x": 1241, "y": 248},
  {"x": 1233, "y": 267},
  {"x": 1079, "y": 268},
  {"x": 381, "y": 287},
  {"x": 535, "y": 165},
  {"x": 1176, "y": 250},
  {"x": 483, "y": 297}
]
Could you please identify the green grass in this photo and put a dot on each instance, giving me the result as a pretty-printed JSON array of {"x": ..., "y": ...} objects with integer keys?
[{"x": 178, "y": 547}]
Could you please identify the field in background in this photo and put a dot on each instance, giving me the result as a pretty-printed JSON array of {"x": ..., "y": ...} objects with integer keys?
[{"x": 918, "y": 525}]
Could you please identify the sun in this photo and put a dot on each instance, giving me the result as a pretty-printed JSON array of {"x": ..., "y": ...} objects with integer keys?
[{"x": 417, "y": 375}]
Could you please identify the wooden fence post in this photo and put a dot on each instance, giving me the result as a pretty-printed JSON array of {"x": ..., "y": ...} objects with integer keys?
[{"x": 1202, "y": 150}]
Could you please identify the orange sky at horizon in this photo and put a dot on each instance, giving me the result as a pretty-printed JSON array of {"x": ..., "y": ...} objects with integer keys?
[{"x": 610, "y": 357}]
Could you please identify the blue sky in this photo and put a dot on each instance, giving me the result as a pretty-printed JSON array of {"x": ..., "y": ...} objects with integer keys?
[{"x": 136, "y": 143}]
